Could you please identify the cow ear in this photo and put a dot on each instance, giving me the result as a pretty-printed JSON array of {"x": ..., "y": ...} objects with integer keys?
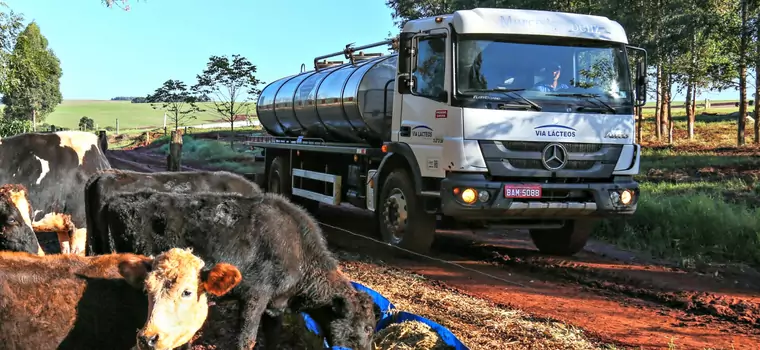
[
  {"x": 220, "y": 279},
  {"x": 135, "y": 270}
]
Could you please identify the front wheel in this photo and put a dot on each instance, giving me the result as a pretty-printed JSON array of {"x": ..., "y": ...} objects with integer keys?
[
  {"x": 564, "y": 241},
  {"x": 401, "y": 215}
]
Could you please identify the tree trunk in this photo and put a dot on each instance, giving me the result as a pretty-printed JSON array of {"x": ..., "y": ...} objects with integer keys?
[
  {"x": 658, "y": 104},
  {"x": 232, "y": 130},
  {"x": 689, "y": 110},
  {"x": 669, "y": 106},
  {"x": 743, "y": 48},
  {"x": 757, "y": 84},
  {"x": 694, "y": 100},
  {"x": 34, "y": 120}
]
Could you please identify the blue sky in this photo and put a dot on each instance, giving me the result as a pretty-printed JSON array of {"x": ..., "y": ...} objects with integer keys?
[{"x": 110, "y": 52}]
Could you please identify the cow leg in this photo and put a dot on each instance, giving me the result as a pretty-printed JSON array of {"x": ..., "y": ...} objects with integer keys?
[
  {"x": 271, "y": 323},
  {"x": 64, "y": 241},
  {"x": 252, "y": 312},
  {"x": 79, "y": 241}
]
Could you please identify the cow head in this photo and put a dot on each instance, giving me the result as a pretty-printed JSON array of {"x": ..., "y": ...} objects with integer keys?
[
  {"x": 16, "y": 233},
  {"x": 353, "y": 321},
  {"x": 176, "y": 283}
]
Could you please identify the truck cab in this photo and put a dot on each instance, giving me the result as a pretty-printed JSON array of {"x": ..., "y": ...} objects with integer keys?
[{"x": 519, "y": 119}]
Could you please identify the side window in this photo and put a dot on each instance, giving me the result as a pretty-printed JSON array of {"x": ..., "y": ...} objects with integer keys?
[{"x": 430, "y": 68}]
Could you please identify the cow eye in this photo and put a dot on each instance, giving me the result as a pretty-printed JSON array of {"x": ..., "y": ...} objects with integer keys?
[
  {"x": 11, "y": 221},
  {"x": 187, "y": 293}
]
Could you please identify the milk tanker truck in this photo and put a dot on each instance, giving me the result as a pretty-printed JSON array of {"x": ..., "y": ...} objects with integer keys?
[{"x": 507, "y": 118}]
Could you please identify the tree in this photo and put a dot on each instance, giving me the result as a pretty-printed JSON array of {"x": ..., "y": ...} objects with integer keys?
[
  {"x": 232, "y": 81},
  {"x": 11, "y": 24},
  {"x": 86, "y": 123},
  {"x": 177, "y": 99},
  {"x": 32, "y": 88}
]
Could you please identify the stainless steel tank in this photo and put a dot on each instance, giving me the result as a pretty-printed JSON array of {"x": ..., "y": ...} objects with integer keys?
[{"x": 346, "y": 103}]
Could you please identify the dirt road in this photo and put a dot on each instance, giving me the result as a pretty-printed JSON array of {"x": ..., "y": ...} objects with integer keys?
[{"x": 616, "y": 296}]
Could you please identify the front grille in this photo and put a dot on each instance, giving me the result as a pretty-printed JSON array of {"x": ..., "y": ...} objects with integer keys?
[
  {"x": 525, "y": 146},
  {"x": 536, "y": 164}
]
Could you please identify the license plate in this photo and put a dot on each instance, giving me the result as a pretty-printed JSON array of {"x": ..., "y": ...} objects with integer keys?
[{"x": 522, "y": 191}]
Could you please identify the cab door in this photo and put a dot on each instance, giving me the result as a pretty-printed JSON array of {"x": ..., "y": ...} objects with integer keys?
[{"x": 424, "y": 110}]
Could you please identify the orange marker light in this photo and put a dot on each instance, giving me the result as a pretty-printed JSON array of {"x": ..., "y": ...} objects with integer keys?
[
  {"x": 384, "y": 148},
  {"x": 438, "y": 19}
]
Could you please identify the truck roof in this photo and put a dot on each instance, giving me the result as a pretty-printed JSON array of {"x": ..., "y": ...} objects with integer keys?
[{"x": 525, "y": 22}]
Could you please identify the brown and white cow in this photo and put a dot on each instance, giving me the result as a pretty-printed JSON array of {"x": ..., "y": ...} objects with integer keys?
[
  {"x": 54, "y": 168},
  {"x": 19, "y": 230},
  {"x": 66, "y": 301},
  {"x": 16, "y": 233}
]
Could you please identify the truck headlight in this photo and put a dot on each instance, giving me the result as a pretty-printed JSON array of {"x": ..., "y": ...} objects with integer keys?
[
  {"x": 469, "y": 195},
  {"x": 626, "y": 197}
]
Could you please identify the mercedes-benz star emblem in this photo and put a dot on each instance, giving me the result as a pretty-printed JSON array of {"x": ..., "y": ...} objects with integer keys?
[{"x": 554, "y": 156}]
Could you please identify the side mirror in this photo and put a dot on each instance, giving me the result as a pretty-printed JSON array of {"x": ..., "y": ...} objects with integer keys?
[{"x": 641, "y": 83}]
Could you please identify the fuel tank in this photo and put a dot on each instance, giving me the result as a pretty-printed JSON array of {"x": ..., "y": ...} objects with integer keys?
[{"x": 349, "y": 103}]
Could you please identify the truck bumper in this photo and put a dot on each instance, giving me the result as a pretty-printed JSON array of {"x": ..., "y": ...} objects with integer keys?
[{"x": 558, "y": 201}]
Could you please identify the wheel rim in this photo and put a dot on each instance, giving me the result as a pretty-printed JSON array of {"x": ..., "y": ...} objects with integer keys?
[{"x": 396, "y": 215}]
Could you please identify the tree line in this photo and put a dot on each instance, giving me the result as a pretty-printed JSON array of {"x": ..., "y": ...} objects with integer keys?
[
  {"x": 693, "y": 46},
  {"x": 30, "y": 72},
  {"x": 135, "y": 99}
]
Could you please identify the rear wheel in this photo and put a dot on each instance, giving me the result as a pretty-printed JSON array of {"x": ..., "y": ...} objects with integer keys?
[
  {"x": 280, "y": 182},
  {"x": 564, "y": 241},
  {"x": 401, "y": 214}
]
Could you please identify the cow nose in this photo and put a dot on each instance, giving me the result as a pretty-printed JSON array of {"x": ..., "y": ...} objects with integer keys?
[{"x": 149, "y": 341}]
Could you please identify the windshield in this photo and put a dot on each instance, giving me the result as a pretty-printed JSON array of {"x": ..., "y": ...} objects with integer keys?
[{"x": 545, "y": 74}]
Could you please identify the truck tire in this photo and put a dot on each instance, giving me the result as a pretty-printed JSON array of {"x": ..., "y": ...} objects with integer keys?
[
  {"x": 280, "y": 182},
  {"x": 279, "y": 178},
  {"x": 565, "y": 241},
  {"x": 401, "y": 215}
]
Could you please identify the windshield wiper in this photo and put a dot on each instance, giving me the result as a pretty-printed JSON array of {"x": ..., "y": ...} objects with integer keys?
[
  {"x": 594, "y": 96},
  {"x": 507, "y": 91}
]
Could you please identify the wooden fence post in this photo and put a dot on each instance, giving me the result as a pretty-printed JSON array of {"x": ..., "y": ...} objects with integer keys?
[
  {"x": 103, "y": 140},
  {"x": 175, "y": 152}
]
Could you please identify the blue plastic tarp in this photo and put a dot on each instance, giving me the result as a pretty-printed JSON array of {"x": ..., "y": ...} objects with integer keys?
[{"x": 387, "y": 318}]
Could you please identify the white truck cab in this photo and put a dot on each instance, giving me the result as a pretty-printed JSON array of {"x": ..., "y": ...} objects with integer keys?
[{"x": 517, "y": 118}]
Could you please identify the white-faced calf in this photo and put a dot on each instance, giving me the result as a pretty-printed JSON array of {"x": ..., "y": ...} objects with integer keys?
[{"x": 65, "y": 301}]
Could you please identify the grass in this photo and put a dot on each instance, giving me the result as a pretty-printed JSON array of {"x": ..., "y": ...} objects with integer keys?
[
  {"x": 700, "y": 199},
  {"x": 130, "y": 115},
  {"x": 217, "y": 154}
]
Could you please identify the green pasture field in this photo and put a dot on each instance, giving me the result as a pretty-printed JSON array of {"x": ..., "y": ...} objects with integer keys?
[{"x": 130, "y": 115}]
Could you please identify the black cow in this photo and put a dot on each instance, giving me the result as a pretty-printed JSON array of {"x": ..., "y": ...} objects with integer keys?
[
  {"x": 278, "y": 247},
  {"x": 100, "y": 186},
  {"x": 54, "y": 168}
]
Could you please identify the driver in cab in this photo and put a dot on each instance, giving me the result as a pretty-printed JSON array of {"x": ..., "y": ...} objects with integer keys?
[{"x": 550, "y": 78}]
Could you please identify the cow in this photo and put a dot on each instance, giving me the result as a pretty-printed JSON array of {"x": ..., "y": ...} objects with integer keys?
[
  {"x": 101, "y": 185},
  {"x": 16, "y": 232},
  {"x": 54, "y": 167},
  {"x": 66, "y": 301},
  {"x": 279, "y": 248},
  {"x": 17, "y": 209}
]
